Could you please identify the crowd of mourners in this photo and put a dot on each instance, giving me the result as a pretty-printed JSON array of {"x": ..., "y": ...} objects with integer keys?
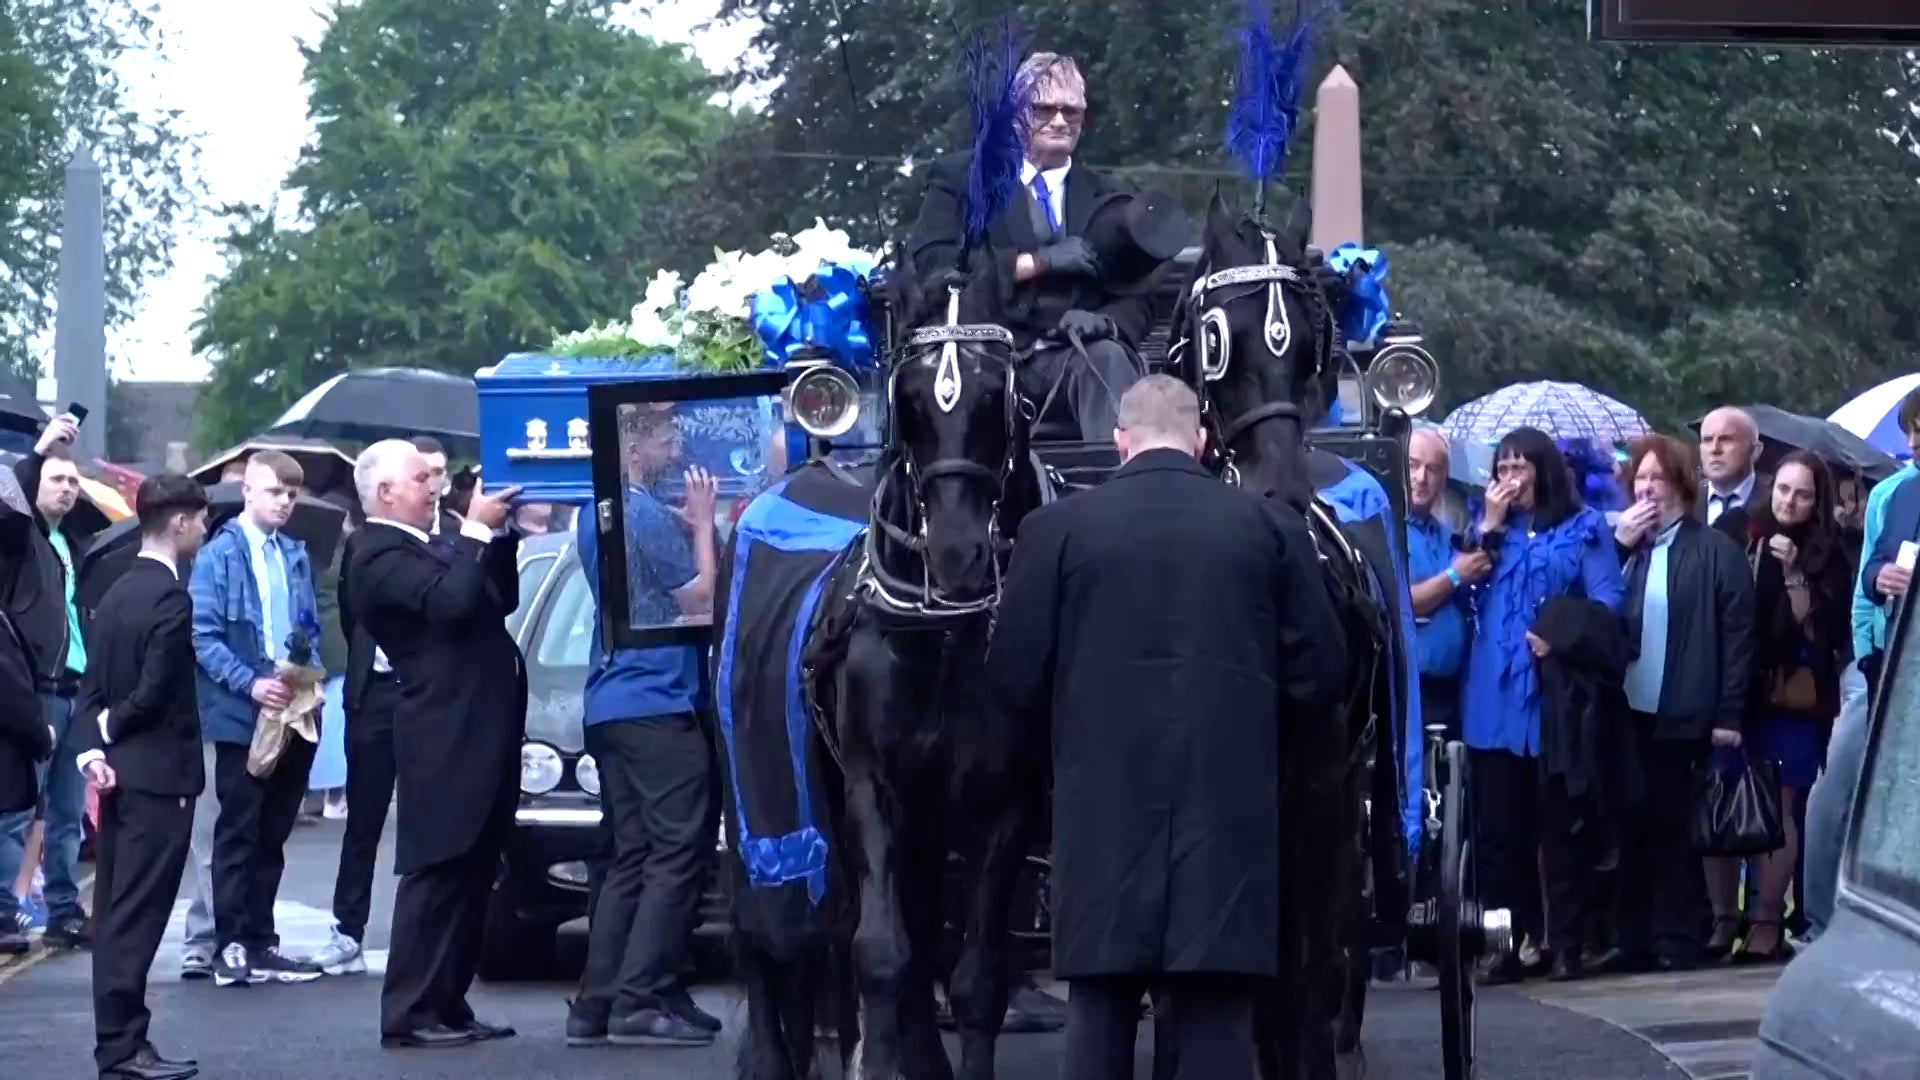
[{"x": 1619, "y": 651}]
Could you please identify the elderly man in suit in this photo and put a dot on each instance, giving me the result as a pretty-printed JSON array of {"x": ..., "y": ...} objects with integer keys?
[
  {"x": 1046, "y": 266},
  {"x": 140, "y": 724},
  {"x": 1729, "y": 452},
  {"x": 439, "y": 615}
]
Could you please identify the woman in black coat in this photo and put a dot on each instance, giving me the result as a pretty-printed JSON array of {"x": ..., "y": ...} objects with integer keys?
[
  {"x": 1803, "y": 594},
  {"x": 1689, "y": 614}
]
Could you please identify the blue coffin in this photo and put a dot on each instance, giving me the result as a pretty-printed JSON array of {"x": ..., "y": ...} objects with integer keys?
[{"x": 535, "y": 432}]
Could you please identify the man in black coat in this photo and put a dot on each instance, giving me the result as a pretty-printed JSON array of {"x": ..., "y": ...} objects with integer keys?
[
  {"x": 439, "y": 616},
  {"x": 1044, "y": 272},
  {"x": 139, "y": 721},
  {"x": 1169, "y": 626}
]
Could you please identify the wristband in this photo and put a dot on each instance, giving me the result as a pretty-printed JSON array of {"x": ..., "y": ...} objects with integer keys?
[{"x": 1453, "y": 576}]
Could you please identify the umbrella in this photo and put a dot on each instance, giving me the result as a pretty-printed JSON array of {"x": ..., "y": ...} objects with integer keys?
[
  {"x": 1875, "y": 415},
  {"x": 315, "y": 522},
  {"x": 327, "y": 467},
  {"x": 1562, "y": 410},
  {"x": 389, "y": 403},
  {"x": 1784, "y": 431},
  {"x": 20, "y": 410}
]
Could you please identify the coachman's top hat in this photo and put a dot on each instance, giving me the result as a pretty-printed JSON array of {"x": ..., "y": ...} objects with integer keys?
[{"x": 1135, "y": 233}]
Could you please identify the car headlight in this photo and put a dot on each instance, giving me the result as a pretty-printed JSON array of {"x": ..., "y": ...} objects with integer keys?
[
  {"x": 1404, "y": 375},
  {"x": 824, "y": 401},
  {"x": 540, "y": 768},
  {"x": 586, "y": 773}
]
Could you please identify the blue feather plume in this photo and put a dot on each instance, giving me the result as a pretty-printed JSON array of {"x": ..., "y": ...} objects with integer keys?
[
  {"x": 999, "y": 109},
  {"x": 1267, "y": 89}
]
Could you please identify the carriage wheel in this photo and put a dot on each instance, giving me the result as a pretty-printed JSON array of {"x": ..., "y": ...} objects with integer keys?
[{"x": 1459, "y": 916}]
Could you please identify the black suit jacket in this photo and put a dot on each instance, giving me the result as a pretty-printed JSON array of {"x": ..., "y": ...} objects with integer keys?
[
  {"x": 140, "y": 669},
  {"x": 1736, "y": 521},
  {"x": 1033, "y": 308},
  {"x": 1173, "y": 629},
  {"x": 359, "y": 669},
  {"x": 441, "y": 619}
]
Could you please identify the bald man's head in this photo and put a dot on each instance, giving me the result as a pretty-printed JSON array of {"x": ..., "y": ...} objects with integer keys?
[
  {"x": 1427, "y": 467},
  {"x": 1729, "y": 443}
]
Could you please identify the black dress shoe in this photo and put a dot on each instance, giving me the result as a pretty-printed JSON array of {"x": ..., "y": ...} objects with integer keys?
[
  {"x": 147, "y": 1065},
  {"x": 181, "y": 1063},
  {"x": 426, "y": 1038},
  {"x": 483, "y": 1031},
  {"x": 1567, "y": 968}
]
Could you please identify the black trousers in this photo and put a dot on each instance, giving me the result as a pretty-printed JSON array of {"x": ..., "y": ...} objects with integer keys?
[
  {"x": 1662, "y": 903},
  {"x": 1528, "y": 833},
  {"x": 1090, "y": 387},
  {"x": 370, "y": 773},
  {"x": 656, "y": 796},
  {"x": 250, "y": 840},
  {"x": 439, "y": 923},
  {"x": 140, "y": 854},
  {"x": 1202, "y": 1028}
]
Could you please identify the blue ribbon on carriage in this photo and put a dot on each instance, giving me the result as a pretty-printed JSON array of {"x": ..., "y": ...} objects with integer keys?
[
  {"x": 1367, "y": 310},
  {"x": 828, "y": 311}
]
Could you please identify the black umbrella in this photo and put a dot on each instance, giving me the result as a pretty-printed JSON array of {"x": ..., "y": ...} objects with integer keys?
[
  {"x": 389, "y": 403},
  {"x": 327, "y": 467},
  {"x": 316, "y": 523},
  {"x": 20, "y": 410},
  {"x": 1782, "y": 432}
]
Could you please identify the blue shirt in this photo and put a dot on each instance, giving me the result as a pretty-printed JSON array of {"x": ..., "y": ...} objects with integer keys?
[
  {"x": 1648, "y": 673},
  {"x": 633, "y": 684},
  {"x": 1869, "y": 618},
  {"x": 1441, "y": 637},
  {"x": 659, "y": 559}
]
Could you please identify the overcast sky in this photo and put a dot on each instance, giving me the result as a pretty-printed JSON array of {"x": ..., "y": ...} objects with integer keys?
[{"x": 235, "y": 73}]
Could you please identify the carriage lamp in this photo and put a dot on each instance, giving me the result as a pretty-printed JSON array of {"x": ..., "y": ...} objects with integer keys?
[
  {"x": 1403, "y": 374},
  {"x": 824, "y": 400},
  {"x": 586, "y": 773},
  {"x": 540, "y": 768}
]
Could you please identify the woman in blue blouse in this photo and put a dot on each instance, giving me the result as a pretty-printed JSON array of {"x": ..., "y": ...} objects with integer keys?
[{"x": 1545, "y": 544}]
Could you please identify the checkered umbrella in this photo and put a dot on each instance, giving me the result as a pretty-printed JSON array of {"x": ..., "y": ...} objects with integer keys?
[{"x": 1562, "y": 410}]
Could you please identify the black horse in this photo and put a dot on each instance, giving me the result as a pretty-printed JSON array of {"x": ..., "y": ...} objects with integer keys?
[
  {"x": 1255, "y": 333},
  {"x": 918, "y": 761}
]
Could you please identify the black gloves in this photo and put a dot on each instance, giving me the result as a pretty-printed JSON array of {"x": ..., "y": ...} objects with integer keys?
[
  {"x": 1071, "y": 256},
  {"x": 1088, "y": 326}
]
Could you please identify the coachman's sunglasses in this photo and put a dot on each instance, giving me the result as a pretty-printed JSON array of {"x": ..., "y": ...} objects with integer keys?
[{"x": 1072, "y": 114}]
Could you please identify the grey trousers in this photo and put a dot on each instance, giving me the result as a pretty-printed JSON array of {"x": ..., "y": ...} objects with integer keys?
[
  {"x": 199, "y": 928},
  {"x": 1091, "y": 388},
  {"x": 1830, "y": 801}
]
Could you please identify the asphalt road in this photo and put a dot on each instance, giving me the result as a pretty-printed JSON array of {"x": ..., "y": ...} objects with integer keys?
[{"x": 329, "y": 1029}]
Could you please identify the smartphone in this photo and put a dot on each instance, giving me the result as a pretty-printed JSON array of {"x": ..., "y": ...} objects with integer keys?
[{"x": 77, "y": 411}]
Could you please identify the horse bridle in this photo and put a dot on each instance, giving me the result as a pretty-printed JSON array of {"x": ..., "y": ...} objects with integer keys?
[
  {"x": 1212, "y": 341},
  {"x": 924, "y": 598}
]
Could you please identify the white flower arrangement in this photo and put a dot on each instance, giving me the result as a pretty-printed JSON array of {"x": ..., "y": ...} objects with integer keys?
[{"x": 705, "y": 325}]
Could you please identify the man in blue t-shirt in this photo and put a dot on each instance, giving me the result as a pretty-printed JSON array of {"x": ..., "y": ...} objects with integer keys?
[{"x": 656, "y": 766}]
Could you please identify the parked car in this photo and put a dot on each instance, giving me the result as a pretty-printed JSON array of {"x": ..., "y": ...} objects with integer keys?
[
  {"x": 1848, "y": 1007},
  {"x": 556, "y": 834}
]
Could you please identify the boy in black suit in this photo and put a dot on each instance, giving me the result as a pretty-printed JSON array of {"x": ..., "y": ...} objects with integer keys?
[{"x": 141, "y": 732}]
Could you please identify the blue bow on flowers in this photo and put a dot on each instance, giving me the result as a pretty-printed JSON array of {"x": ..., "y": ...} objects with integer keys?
[
  {"x": 828, "y": 311},
  {"x": 1366, "y": 311}
]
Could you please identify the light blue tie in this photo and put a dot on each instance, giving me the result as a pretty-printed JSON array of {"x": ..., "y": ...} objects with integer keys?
[{"x": 273, "y": 606}]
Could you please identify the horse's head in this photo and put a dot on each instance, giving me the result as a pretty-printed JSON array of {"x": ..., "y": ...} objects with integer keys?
[
  {"x": 1256, "y": 340},
  {"x": 959, "y": 444}
]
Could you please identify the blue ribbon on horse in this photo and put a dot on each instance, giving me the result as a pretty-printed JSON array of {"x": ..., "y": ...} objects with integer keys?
[
  {"x": 1366, "y": 310},
  {"x": 828, "y": 312}
]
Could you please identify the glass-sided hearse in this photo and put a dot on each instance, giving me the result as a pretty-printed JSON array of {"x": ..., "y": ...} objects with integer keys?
[{"x": 614, "y": 437}]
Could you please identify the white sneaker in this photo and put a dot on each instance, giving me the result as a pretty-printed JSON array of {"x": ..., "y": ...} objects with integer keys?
[
  {"x": 335, "y": 807},
  {"x": 341, "y": 956}
]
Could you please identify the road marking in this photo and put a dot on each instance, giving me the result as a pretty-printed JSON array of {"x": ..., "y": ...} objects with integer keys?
[
  {"x": 12, "y": 967},
  {"x": 1707, "y": 1022}
]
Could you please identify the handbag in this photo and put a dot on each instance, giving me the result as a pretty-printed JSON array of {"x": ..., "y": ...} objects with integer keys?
[
  {"x": 1737, "y": 814},
  {"x": 1794, "y": 691}
]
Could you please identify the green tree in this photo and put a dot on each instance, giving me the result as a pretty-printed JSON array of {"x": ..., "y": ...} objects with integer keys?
[
  {"x": 483, "y": 172},
  {"x": 1676, "y": 226},
  {"x": 60, "y": 85}
]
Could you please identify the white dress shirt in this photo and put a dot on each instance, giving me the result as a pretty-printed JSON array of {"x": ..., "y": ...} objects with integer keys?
[
  {"x": 1056, "y": 187},
  {"x": 472, "y": 530},
  {"x": 1719, "y": 502},
  {"x": 92, "y": 756}
]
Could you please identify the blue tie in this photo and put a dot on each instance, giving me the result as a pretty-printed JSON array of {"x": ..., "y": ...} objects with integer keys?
[
  {"x": 273, "y": 607},
  {"x": 1045, "y": 199}
]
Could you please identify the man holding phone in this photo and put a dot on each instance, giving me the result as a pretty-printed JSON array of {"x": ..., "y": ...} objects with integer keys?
[{"x": 41, "y": 559}]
